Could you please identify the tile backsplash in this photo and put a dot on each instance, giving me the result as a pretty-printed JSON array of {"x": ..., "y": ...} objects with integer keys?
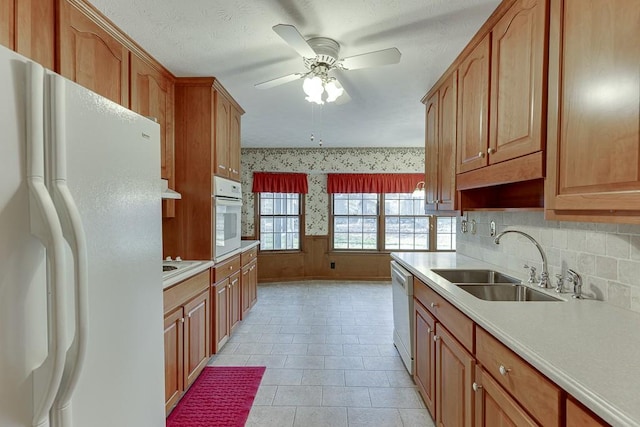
[{"x": 607, "y": 256}]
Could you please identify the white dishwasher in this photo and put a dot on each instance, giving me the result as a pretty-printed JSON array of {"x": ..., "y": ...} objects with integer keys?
[{"x": 402, "y": 286}]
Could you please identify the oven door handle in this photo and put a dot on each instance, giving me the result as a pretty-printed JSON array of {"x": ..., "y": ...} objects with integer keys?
[{"x": 224, "y": 201}]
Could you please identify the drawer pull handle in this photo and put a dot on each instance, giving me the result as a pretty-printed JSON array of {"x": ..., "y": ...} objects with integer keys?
[
  {"x": 436, "y": 338},
  {"x": 504, "y": 371},
  {"x": 433, "y": 305},
  {"x": 476, "y": 386}
]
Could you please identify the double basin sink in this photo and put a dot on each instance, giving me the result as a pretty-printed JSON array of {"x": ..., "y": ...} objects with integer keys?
[{"x": 492, "y": 285}]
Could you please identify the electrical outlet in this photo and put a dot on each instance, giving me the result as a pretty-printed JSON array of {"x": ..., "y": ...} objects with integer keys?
[{"x": 333, "y": 265}]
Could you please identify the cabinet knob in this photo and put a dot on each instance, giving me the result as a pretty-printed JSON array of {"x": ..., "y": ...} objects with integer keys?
[
  {"x": 491, "y": 150},
  {"x": 428, "y": 330},
  {"x": 481, "y": 154},
  {"x": 436, "y": 338},
  {"x": 476, "y": 386},
  {"x": 182, "y": 319},
  {"x": 433, "y": 305},
  {"x": 504, "y": 371}
]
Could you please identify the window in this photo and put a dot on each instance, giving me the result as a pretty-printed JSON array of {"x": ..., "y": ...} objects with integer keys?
[
  {"x": 359, "y": 224},
  {"x": 355, "y": 221},
  {"x": 405, "y": 224},
  {"x": 279, "y": 221}
]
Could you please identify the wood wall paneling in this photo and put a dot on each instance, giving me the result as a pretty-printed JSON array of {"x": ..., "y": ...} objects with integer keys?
[{"x": 314, "y": 262}]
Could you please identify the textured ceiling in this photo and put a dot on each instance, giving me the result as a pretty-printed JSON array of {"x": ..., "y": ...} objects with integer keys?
[{"x": 233, "y": 41}]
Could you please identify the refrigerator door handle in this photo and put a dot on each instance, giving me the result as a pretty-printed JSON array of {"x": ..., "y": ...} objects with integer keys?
[
  {"x": 45, "y": 225},
  {"x": 74, "y": 233}
]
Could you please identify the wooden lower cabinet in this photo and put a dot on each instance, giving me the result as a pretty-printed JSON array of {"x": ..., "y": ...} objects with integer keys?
[
  {"x": 249, "y": 294},
  {"x": 454, "y": 380},
  {"x": 424, "y": 373},
  {"x": 234, "y": 301},
  {"x": 494, "y": 406},
  {"x": 173, "y": 358},
  {"x": 579, "y": 416},
  {"x": 220, "y": 293},
  {"x": 187, "y": 318}
]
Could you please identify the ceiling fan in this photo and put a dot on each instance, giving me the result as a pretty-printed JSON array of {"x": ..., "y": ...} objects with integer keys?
[{"x": 320, "y": 57}]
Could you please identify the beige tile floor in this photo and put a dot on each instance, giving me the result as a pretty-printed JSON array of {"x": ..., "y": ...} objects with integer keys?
[{"x": 330, "y": 358}]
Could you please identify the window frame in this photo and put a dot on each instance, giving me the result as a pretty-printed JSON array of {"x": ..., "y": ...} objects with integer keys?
[
  {"x": 382, "y": 231},
  {"x": 301, "y": 221}
]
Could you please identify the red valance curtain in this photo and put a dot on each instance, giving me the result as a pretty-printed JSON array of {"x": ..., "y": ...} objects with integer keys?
[
  {"x": 373, "y": 182},
  {"x": 279, "y": 182}
]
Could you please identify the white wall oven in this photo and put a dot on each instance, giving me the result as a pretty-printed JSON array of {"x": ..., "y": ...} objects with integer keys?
[{"x": 227, "y": 205}]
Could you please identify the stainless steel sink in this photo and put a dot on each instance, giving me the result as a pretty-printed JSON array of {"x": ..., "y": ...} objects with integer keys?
[
  {"x": 475, "y": 276},
  {"x": 506, "y": 292}
]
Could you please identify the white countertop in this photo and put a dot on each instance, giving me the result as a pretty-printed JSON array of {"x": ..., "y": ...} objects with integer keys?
[
  {"x": 589, "y": 348},
  {"x": 245, "y": 245},
  {"x": 194, "y": 269}
]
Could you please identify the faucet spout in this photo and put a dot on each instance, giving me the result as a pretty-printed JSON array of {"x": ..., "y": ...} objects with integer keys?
[{"x": 544, "y": 276}]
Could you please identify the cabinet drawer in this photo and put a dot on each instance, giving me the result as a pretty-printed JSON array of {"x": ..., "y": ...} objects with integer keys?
[
  {"x": 249, "y": 256},
  {"x": 457, "y": 323},
  {"x": 539, "y": 396},
  {"x": 226, "y": 268},
  {"x": 179, "y": 294}
]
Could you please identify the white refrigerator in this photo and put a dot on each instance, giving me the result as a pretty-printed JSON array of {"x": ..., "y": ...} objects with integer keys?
[{"x": 81, "y": 331}]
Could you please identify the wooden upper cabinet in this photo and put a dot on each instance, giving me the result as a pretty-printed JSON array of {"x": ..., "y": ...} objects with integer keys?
[
  {"x": 27, "y": 26},
  {"x": 7, "y": 23},
  {"x": 447, "y": 144},
  {"x": 440, "y": 147},
  {"x": 222, "y": 121},
  {"x": 90, "y": 56},
  {"x": 518, "y": 75},
  {"x": 152, "y": 95},
  {"x": 234, "y": 144},
  {"x": 473, "y": 107},
  {"x": 594, "y": 126},
  {"x": 431, "y": 151}
]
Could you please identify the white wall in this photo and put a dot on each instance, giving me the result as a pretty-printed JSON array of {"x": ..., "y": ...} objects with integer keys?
[
  {"x": 607, "y": 256},
  {"x": 317, "y": 162}
]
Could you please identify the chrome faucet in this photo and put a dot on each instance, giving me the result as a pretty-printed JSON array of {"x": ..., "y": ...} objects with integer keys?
[
  {"x": 544, "y": 276},
  {"x": 577, "y": 283}
]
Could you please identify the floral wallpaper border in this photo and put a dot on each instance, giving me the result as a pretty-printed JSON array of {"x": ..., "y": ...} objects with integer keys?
[{"x": 317, "y": 162}]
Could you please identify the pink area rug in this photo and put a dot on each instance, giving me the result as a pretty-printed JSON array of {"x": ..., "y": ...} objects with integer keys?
[{"x": 221, "y": 397}]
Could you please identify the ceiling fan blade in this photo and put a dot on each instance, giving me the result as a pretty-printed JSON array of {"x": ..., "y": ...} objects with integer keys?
[
  {"x": 290, "y": 34},
  {"x": 372, "y": 59},
  {"x": 279, "y": 81}
]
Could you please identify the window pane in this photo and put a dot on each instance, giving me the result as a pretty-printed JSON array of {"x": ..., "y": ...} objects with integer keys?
[
  {"x": 391, "y": 207},
  {"x": 340, "y": 224},
  {"x": 370, "y": 207},
  {"x": 370, "y": 225},
  {"x": 340, "y": 207},
  {"x": 392, "y": 224},
  {"x": 355, "y": 224},
  {"x": 340, "y": 240},
  {"x": 406, "y": 225},
  {"x": 279, "y": 221},
  {"x": 369, "y": 241}
]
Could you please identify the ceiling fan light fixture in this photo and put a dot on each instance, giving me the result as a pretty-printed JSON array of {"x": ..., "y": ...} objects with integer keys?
[
  {"x": 333, "y": 91},
  {"x": 314, "y": 89}
]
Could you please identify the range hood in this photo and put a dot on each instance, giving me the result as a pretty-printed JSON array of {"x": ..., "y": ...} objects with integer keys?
[{"x": 168, "y": 193}]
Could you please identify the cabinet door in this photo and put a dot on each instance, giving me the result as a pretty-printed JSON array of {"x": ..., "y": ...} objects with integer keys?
[
  {"x": 579, "y": 416},
  {"x": 234, "y": 301},
  {"x": 34, "y": 30},
  {"x": 234, "y": 144},
  {"x": 91, "y": 57},
  {"x": 253, "y": 287},
  {"x": 473, "y": 108},
  {"x": 518, "y": 81},
  {"x": 425, "y": 348},
  {"x": 447, "y": 144},
  {"x": 173, "y": 358},
  {"x": 454, "y": 380},
  {"x": 152, "y": 96},
  {"x": 495, "y": 407},
  {"x": 196, "y": 336},
  {"x": 7, "y": 19},
  {"x": 431, "y": 152},
  {"x": 222, "y": 121},
  {"x": 221, "y": 326},
  {"x": 594, "y": 126}
]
